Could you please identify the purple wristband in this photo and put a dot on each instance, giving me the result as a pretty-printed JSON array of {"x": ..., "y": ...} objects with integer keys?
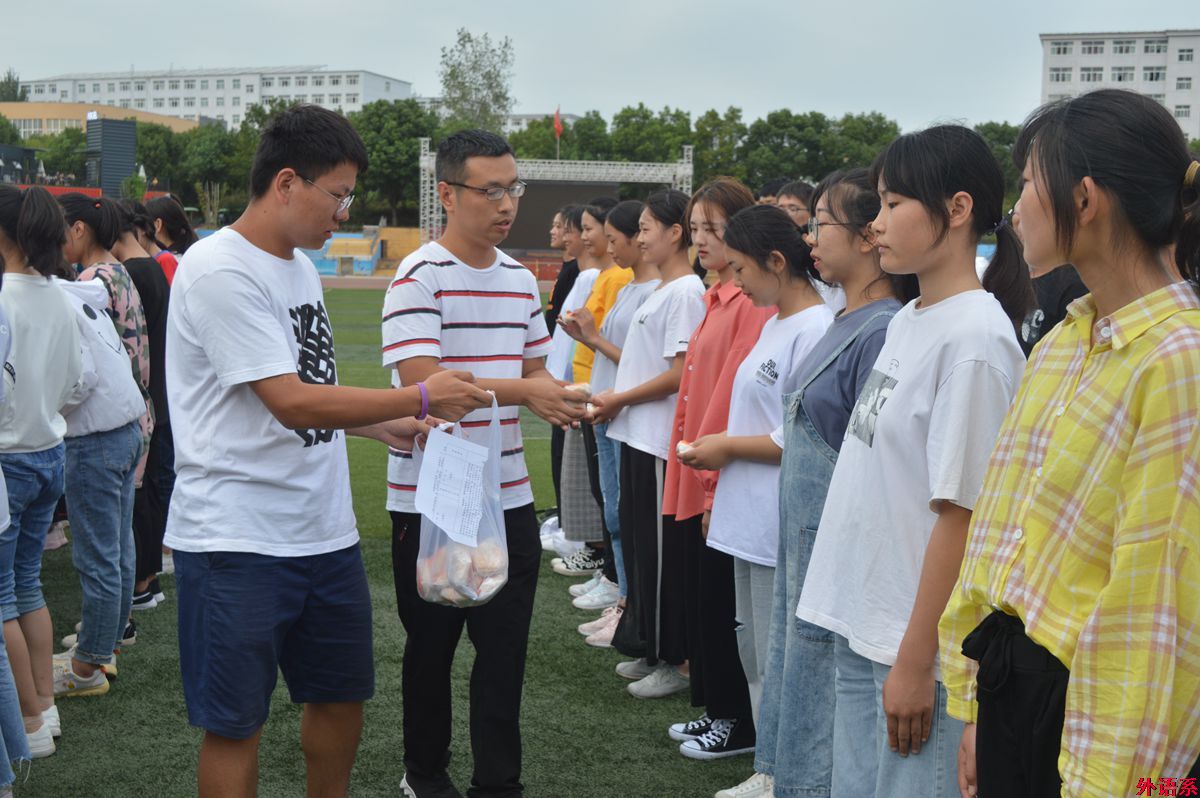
[{"x": 424, "y": 401}]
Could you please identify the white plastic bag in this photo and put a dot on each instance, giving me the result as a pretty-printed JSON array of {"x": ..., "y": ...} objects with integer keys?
[{"x": 454, "y": 573}]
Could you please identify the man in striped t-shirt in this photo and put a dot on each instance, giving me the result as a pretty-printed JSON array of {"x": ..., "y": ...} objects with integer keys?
[{"x": 461, "y": 303}]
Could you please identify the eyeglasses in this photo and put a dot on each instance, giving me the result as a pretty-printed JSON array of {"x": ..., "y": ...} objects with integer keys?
[
  {"x": 793, "y": 210},
  {"x": 814, "y": 227},
  {"x": 344, "y": 203},
  {"x": 495, "y": 193}
]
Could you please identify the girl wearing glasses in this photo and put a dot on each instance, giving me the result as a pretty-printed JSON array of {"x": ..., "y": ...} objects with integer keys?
[
  {"x": 1070, "y": 641},
  {"x": 920, "y": 433},
  {"x": 773, "y": 266},
  {"x": 794, "y": 751}
]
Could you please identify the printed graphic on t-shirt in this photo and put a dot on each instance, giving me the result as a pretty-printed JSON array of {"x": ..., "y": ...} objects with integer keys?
[
  {"x": 314, "y": 334},
  {"x": 768, "y": 373},
  {"x": 874, "y": 396},
  {"x": 1031, "y": 327}
]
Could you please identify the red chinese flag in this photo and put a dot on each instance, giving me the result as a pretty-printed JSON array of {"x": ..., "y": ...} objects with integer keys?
[{"x": 558, "y": 128}]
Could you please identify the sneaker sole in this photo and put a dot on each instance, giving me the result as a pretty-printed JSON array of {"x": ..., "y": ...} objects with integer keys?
[
  {"x": 682, "y": 736},
  {"x": 87, "y": 691},
  {"x": 706, "y": 756},
  {"x": 149, "y": 605},
  {"x": 572, "y": 572},
  {"x": 634, "y": 677},
  {"x": 593, "y": 606},
  {"x": 599, "y": 643}
]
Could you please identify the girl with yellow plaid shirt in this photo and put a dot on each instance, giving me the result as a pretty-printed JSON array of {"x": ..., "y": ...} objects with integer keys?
[{"x": 1071, "y": 643}]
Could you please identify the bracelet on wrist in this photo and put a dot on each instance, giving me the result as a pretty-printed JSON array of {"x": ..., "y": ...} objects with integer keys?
[{"x": 424, "y": 401}]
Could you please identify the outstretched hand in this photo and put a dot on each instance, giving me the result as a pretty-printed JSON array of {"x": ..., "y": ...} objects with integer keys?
[{"x": 453, "y": 394}]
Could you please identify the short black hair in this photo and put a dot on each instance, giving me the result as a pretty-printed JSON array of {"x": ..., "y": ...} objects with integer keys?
[
  {"x": 771, "y": 187},
  {"x": 798, "y": 189},
  {"x": 455, "y": 149},
  {"x": 309, "y": 139}
]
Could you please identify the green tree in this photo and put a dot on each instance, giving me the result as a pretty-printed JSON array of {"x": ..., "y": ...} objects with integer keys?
[
  {"x": 853, "y": 141},
  {"x": 133, "y": 187},
  {"x": 205, "y": 155},
  {"x": 10, "y": 88},
  {"x": 8, "y": 132},
  {"x": 537, "y": 140},
  {"x": 476, "y": 76},
  {"x": 243, "y": 143},
  {"x": 639, "y": 134},
  {"x": 590, "y": 138},
  {"x": 784, "y": 144},
  {"x": 159, "y": 152},
  {"x": 1194, "y": 146},
  {"x": 390, "y": 131},
  {"x": 718, "y": 139},
  {"x": 1000, "y": 137},
  {"x": 64, "y": 153}
]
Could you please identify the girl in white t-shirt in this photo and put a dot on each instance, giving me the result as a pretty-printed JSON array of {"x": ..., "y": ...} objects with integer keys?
[
  {"x": 638, "y": 412},
  {"x": 43, "y": 368},
  {"x": 911, "y": 465},
  {"x": 774, "y": 267}
]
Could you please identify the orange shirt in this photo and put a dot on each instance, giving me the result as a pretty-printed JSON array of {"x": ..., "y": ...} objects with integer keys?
[
  {"x": 603, "y": 296},
  {"x": 720, "y": 344}
]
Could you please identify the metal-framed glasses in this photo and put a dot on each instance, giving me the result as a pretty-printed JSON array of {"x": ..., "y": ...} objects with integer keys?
[
  {"x": 495, "y": 193},
  {"x": 814, "y": 227},
  {"x": 344, "y": 203}
]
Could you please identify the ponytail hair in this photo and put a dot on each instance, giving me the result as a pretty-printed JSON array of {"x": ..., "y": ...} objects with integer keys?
[
  {"x": 99, "y": 214},
  {"x": 175, "y": 222},
  {"x": 669, "y": 208},
  {"x": 624, "y": 217},
  {"x": 1131, "y": 147},
  {"x": 135, "y": 219},
  {"x": 32, "y": 220},
  {"x": 599, "y": 208},
  {"x": 854, "y": 202},
  {"x": 760, "y": 230},
  {"x": 935, "y": 164}
]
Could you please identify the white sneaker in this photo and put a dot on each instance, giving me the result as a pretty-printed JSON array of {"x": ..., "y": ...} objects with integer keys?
[
  {"x": 548, "y": 529},
  {"x": 664, "y": 681},
  {"x": 51, "y": 718},
  {"x": 41, "y": 742},
  {"x": 603, "y": 637},
  {"x": 56, "y": 538},
  {"x": 585, "y": 587},
  {"x": 605, "y": 594},
  {"x": 760, "y": 785},
  {"x": 591, "y": 627},
  {"x": 634, "y": 669}
]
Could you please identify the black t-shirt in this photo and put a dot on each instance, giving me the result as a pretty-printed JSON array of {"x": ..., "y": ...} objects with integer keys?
[
  {"x": 1054, "y": 292},
  {"x": 152, "y": 286},
  {"x": 562, "y": 287}
]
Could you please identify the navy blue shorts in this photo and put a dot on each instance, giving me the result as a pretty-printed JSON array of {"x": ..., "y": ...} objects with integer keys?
[{"x": 243, "y": 617}]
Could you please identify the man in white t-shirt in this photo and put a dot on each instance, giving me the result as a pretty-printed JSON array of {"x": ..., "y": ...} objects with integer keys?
[
  {"x": 461, "y": 302},
  {"x": 266, "y": 546}
]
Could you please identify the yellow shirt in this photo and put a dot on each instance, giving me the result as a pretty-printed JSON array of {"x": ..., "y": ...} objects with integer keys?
[
  {"x": 1088, "y": 530},
  {"x": 604, "y": 294}
]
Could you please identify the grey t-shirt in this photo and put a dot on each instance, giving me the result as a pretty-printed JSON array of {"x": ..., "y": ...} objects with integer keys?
[
  {"x": 830, "y": 397},
  {"x": 615, "y": 327}
]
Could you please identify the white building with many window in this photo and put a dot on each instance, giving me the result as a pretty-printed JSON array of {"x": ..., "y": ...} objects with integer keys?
[
  {"x": 220, "y": 94},
  {"x": 1164, "y": 65}
]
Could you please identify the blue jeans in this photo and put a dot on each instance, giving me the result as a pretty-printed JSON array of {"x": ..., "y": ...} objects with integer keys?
[
  {"x": 795, "y": 729},
  {"x": 35, "y": 483},
  {"x": 609, "y": 454},
  {"x": 99, "y": 474},
  {"x": 863, "y": 764},
  {"x": 13, "y": 742}
]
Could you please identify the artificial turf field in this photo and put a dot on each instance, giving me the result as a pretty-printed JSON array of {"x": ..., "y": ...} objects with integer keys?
[{"x": 583, "y": 734}]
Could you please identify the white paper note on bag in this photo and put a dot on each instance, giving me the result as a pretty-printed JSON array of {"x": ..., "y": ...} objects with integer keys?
[{"x": 450, "y": 486}]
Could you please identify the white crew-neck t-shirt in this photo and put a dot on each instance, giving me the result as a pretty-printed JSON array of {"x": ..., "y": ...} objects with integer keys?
[
  {"x": 661, "y": 329},
  {"x": 244, "y": 482},
  {"x": 562, "y": 346},
  {"x": 745, "y": 517},
  {"x": 920, "y": 433},
  {"x": 485, "y": 321}
]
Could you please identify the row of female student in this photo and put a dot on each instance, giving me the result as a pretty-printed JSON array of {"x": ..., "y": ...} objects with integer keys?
[
  {"x": 870, "y": 655},
  {"x": 84, "y": 304}
]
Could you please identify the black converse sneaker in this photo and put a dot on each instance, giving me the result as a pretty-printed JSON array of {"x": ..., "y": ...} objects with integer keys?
[
  {"x": 724, "y": 738},
  {"x": 690, "y": 730},
  {"x": 582, "y": 563}
]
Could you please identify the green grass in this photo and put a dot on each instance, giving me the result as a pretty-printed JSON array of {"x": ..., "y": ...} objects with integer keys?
[{"x": 583, "y": 734}]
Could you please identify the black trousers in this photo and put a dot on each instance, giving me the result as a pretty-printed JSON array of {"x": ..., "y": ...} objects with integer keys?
[
  {"x": 656, "y": 558},
  {"x": 712, "y": 633},
  {"x": 151, "y": 502},
  {"x": 593, "y": 467},
  {"x": 1022, "y": 698},
  {"x": 499, "y": 630},
  {"x": 557, "y": 436}
]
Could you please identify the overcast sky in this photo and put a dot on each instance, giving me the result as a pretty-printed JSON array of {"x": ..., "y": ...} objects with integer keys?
[{"x": 917, "y": 61}]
